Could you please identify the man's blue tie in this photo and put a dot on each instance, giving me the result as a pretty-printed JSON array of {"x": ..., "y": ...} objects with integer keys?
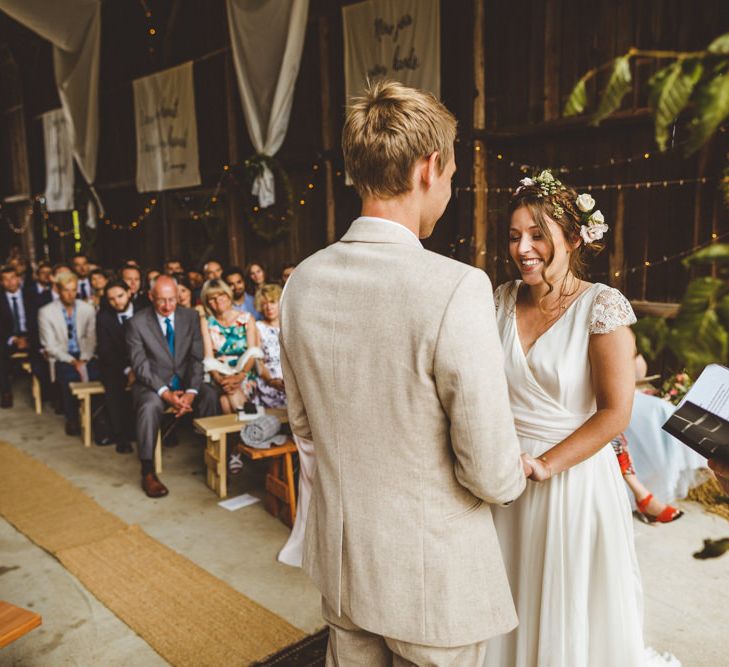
[
  {"x": 16, "y": 316},
  {"x": 82, "y": 290},
  {"x": 170, "y": 336}
]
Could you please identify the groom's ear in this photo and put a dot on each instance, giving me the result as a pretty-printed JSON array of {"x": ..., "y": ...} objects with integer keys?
[{"x": 428, "y": 169}]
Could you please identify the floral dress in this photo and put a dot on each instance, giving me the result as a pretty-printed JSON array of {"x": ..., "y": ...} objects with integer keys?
[
  {"x": 268, "y": 396},
  {"x": 229, "y": 344}
]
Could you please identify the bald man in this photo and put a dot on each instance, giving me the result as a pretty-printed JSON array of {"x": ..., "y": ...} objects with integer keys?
[{"x": 166, "y": 353}]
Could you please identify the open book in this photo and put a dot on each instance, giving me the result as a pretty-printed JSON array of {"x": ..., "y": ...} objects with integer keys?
[{"x": 701, "y": 420}]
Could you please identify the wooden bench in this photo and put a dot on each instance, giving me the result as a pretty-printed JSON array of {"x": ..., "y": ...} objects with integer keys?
[
  {"x": 83, "y": 391},
  {"x": 15, "y": 622},
  {"x": 215, "y": 430},
  {"x": 35, "y": 386}
]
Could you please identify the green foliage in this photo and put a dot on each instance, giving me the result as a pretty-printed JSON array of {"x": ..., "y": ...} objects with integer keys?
[
  {"x": 577, "y": 101},
  {"x": 720, "y": 45},
  {"x": 717, "y": 252},
  {"x": 618, "y": 86},
  {"x": 670, "y": 91},
  {"x": 712, "y": 107},
  {"x": 650, "y": 336}
]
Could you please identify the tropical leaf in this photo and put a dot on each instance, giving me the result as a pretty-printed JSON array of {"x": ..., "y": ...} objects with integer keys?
[
  {"x": 722, "y": 310},
  {"x": 712, "y": 107},
  {"x": 716, "y": 253},
  {"x": 720, "y": 45},
  {"x": 617, "y": 87},
  {"x": 670, "y": 91},
  {"x": 577, "y": 100},
  {"x": 650, "y": 336}
]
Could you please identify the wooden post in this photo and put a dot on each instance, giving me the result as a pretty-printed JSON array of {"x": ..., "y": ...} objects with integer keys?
[
  {"x": 617, "y": 256},
  {"x": 480, "y": 225},
  {"x": 327, "y": 130},
  {"x": 235, "y": 231},
  {"x": 552, "y": 46}
]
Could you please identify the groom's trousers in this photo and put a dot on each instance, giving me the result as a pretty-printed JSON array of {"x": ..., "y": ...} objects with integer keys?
[{"x": 351, "y": 646}]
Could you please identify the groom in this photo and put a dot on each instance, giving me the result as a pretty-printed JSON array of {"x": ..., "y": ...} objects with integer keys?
[{"x": 393, "y": 367}]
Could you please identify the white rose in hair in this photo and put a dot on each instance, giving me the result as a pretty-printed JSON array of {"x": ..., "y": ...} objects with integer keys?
[
  {"x": 597, "y": 217},
  {"x": 527, "y": 181},
  {"x": 585, "y": 203},
  {"x": 593, "y": 233}
]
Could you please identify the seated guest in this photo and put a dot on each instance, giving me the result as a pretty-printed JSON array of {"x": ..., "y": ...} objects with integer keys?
[
  {"x": 286, "y": 271},
  {"x": 271, "y": 393},
  {"x": 184, "y": 294},
  {"x": 82, "y": 269},
  {"x": 255, "y": 277},
  {"x": 98, "y": 280},
  {"x": 172, "y": 267},
  {"x": 39, "y": 290},
  {"x": 196, "y": 282},
  {"x": 68, "y": 336},
  {"x": 227, "y": 336},
  {"x": 166, "y": 352},
  {"x": 17, "y": 325},
  {"x": 114, "y": 365},
  {"x": 132, "y": 276},
  {"x": 151, "y": 276},
  {"x": 212, "y": 270},
  {"x": 242, "y": 300},
  {"x": 22, "y": 269}
]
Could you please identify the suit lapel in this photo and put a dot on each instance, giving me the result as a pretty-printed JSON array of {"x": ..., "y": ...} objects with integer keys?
[
  {"x": 157, "y": 331},
  {"x": 179, "y": 333}
]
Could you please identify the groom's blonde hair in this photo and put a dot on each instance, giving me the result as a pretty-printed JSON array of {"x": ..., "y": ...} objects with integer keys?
[{"x": 387, "y": 130}]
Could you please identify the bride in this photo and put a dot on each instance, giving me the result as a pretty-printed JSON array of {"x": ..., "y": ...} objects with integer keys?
[{"x": 568, "y": 540}]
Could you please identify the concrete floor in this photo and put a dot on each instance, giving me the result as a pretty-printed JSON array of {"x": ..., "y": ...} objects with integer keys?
[{"x": 685, "y": 598}]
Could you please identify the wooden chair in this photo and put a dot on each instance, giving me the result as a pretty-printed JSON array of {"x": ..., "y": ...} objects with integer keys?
[
  {"x": 35, "y": 387},
  {"x": 158, "y": 444},
  {"x": 280, "y": 487},
  {"x": 15, "y": 622},
  {"x": 84, "y": 391}
]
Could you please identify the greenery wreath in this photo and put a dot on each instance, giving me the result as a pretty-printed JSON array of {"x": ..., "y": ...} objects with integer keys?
[{"x": 274, "y": 221}]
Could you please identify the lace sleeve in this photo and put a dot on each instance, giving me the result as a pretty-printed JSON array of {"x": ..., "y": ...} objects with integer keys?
[{"x": 610, "y": 310}]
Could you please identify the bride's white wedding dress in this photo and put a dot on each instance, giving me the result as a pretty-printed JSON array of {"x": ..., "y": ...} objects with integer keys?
[{"x": 567, "y": 542}]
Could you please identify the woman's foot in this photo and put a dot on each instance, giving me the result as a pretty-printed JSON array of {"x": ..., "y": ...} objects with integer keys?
[{"x": 653, "y": 511}]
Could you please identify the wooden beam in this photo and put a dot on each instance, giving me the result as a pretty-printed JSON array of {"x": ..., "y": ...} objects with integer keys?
[
  {"x": 655, "y": 308},
  {"x": 327, "y": 129},
  {"x": 480, "y": 226},
  {"x": 236, "y": 243},
  {"x": 617, "y": 256},
  {"x": 552, "y": 46}
]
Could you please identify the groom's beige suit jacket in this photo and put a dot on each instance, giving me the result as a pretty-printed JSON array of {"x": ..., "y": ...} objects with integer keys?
[{"x": 393, "y": 366}]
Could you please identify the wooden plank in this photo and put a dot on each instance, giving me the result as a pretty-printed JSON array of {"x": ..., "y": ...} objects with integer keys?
[
  {"x": 235, "y": 205},
  {"x": 655, "y": 308},
  {"x": 617, "y": 254},
  {"x": 15, "y": 622},
  {"x": 552, "y": 46},
  {"x": 327, "y": 126},
  {"x": 479, "y": 148}
]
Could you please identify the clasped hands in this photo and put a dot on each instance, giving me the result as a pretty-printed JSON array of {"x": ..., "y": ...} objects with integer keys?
[
  {"x": 535, "y": 469},
  {"x": 229, "y": 383},
  {"x": 181, "y": 401}
]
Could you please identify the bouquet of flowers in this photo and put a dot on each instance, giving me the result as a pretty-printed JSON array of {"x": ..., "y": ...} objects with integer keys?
[{"x": 676, "y": 387}]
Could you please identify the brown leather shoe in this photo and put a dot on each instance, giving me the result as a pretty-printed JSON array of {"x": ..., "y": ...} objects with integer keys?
[
  {"x": 153, "y": 487},
  {"x": 6, "y": 400}
]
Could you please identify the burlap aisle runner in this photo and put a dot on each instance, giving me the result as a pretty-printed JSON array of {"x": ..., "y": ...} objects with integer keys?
[{"x": 185, "y": 614}]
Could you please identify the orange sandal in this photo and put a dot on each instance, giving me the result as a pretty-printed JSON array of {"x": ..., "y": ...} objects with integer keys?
[{"x": 668, "y": 514}]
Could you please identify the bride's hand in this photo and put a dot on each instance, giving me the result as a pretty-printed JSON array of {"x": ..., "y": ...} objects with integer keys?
[
  {"x": 541, "y": 470},
  {"x": 527, "y": 465}
]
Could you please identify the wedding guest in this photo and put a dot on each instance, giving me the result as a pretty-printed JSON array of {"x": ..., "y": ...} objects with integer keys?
[
  {"x": 173, "y": 266},
  {"x": 114, "y": 364},
  {"x": 98, "y": 279},
  {"x": 271, "y": 392},
  {"x": 68, "y": 336},
  {"x": 185, "y": 295},
  {"x": 243, "y": 301},
  {"x": 151, "y": 276},
  {"x": 22, "y": 269},
  {"x": 196, "y": 281},
  {"x": 168, "y": 371},
  {"x": 255, "y": 277},
  {"x": 213, "y": 270},
  {"x": 286, "y": 271},
  {"x": 17, "y": 321},
  {"x": 227, "y": 335},
  {"x": 132, "y": 276},
  {"x": 39, "y": 291},
  {"x": 81, "y": 268}
]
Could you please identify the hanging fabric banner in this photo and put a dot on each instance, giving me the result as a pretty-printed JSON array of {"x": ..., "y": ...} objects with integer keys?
[
  {"x": 267, "y": 40},
  {"x": 392, "y": 39},
  {"x": 59, "y": 162},
  {"x": 164, "y": 116}
]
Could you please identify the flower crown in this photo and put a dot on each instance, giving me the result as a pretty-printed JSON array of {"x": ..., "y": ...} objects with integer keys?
[{"x": 592, "y": 227}]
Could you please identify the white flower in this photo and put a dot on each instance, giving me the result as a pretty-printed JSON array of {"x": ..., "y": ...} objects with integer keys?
[
  {"x": 585, "y": 203},
  {"x": 546, "y": 175},
  {"x": 527, "y": 181},
  {"x": 597, "y": 217},
  {"x": 593, "y": 233}
]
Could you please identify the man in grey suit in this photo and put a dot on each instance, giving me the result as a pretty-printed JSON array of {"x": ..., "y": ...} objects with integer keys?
[
  {"x": 393, "y": 368},
  {"x": 166, "y": 352}
]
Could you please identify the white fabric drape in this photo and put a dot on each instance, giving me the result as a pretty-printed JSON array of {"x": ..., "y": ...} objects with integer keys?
[
  {"x": 59, "y": 162},
  {"x": 267, "y": 39},
  {"x": 73, "y": 27},
  {"x": 166, "y": 126},
  {"x": 392, "y": 39}
]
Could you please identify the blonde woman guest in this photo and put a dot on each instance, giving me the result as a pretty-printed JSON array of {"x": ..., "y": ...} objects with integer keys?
[
  {"x": 271, "y": 393},
  {"x": 227, "y": 335}
]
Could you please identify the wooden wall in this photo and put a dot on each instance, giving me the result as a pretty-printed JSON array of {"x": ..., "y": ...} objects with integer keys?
[{"x": 534, "y": 52}]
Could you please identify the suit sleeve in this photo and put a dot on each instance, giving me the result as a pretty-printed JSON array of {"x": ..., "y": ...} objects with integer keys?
[
  {"x": 56, "y": 349},
  {"x": 471, "y": 384},
  {"x": 194, "y": 375},
  {"x": 88, "y": 336},
  {"x": 298, "y": 419},
  {"x": 104, "y": 347},
  {"x": 138, "y": 358}
]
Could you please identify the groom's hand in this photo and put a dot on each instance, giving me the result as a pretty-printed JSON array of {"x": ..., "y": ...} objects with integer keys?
[
  {"x": 540, "y": 470},
  {"x": 526, "y": 465}
]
